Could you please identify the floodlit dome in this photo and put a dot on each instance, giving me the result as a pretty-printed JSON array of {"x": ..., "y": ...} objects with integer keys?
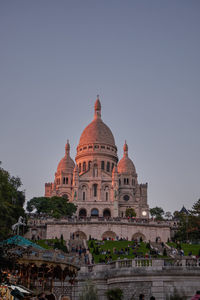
[
  {"x": 66, "y": 164},
  {"x": 126, "y": 165},
  {"x": 97, "y": 131}
]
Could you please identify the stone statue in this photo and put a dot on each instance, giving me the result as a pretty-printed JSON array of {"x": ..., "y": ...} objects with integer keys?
[{"x": 18, "y": 224}]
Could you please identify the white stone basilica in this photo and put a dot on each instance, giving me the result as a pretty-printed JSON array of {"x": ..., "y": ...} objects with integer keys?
[{"x": 98, "y": 184}]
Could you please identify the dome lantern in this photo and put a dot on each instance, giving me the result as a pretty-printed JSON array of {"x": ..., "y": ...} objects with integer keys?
[
  {"x": 125, "y": 149},
  {"x": 97, "y": 108},
  {"x": 67, "y": 148}
]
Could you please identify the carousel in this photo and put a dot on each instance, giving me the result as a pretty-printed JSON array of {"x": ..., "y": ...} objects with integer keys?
[{"x": 38, "y": 270}]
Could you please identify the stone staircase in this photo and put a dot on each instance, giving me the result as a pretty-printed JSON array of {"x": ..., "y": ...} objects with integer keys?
[
  {"x": 75, "y": 257},
  {"x": 159, "y": 248}
]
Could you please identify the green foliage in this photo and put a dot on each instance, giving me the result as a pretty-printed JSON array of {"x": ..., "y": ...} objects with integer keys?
[
  {"x": 130, "y": 212},
  {"x": 11, "y": 202},
  {"x": 196, "y": 208},
  {"x": 55, "y": 207},
  {"x": 189, "y": 228},
  {"x": 187, "y": 248},
  {"x": 140, "y": 249},
  {"x": 53, "y": 244},
  {"x": 157, "y": 212},
  {"x": 168, "y": 215},
  {"x": 89, "y": 292},
  {"x": 114, "y": 294}
]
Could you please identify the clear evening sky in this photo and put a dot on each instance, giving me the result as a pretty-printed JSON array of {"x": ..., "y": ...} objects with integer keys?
[{"x": 141, "y": 57}]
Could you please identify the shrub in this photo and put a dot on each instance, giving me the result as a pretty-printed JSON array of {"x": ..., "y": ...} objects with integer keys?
[
  {"x": 114, "y": 294},
  {"x": 89, "y": 292}
]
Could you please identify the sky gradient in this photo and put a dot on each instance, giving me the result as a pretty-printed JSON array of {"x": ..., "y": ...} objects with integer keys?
[{"x": 141, "y": 57}]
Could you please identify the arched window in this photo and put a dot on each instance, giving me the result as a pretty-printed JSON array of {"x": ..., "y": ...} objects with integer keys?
[
  {"x": 66, "y": 180},
  {"x": 95, "y": 190},
  {"x": 112, "y": 166},
  {"x": 94, "y": 212},
  {"x": 95, "y": 171},
  {"x": 84, "y": 192},
  {"x": 102, "y": 165},
  {"x": 82, "y": 212},
  {"x": 106, "y": 193},
  {"x": 127, "y": 180},
  {"x": 119, "y": 182},
  {"x": 63, "y": 180},
  {"x": 84, "y": 166},
  {"x": 89, "y": 165},
  {"x": 124, "y": 180},
  {"x": 106, "y": 212},
  {"x": 108, "y": 167},
  {"x": 79, "y": 168},
  {"x": 126, "y": 197}
]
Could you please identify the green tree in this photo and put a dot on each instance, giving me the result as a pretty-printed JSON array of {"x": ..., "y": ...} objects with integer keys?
[
  {"x": 114, "y": 294},
  {"x": 130, "y": 212},
  {"x": 168, "y": 215},
  {"x": 89, "y": 292},
  {"x": 11, "y": 202},
  {"x": 56, "y": 207},
  {"x": 157, "y": 212},
  {"x": 196, "y": 208}
]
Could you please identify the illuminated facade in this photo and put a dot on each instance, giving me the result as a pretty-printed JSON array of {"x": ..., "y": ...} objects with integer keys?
[{"x": 98, "y": 184}]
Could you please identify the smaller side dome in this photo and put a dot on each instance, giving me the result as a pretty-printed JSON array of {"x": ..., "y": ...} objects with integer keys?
[
  {"x": 126, "y": 165},
  {"x": 66, "y": 164}
]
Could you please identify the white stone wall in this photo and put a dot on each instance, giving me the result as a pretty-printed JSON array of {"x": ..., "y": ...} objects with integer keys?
[{"x": 97, "y": 229}]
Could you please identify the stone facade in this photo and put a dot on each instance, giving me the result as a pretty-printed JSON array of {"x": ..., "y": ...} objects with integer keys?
[
  {"x": 97, "y": 183},
  {"x": 105, "y": 229},
  {"x": 151, "y": 277}
]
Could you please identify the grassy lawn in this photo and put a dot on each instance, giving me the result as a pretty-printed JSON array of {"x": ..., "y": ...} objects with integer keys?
[
  {"x": 52, "y": 244},
  {"x": 194, "y": 248},
  {"x": 46, "y": 244},
  {"x": 139, "y": 249}
]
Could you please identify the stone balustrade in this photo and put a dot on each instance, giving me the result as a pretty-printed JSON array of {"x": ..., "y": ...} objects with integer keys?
[{"x": 154, "y": 264}]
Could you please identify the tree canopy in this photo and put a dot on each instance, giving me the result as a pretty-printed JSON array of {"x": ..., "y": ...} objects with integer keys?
[
  {"x": 130, "y": 212},
  {"x": 114, "y": 294},
  {"x": 11, "y": 202},
  {"x": 196, "y": 208},
  {"x": 157, "y": 212},
  {"x": 189, "y": 224},
  {"x": 56, "y": 207}
]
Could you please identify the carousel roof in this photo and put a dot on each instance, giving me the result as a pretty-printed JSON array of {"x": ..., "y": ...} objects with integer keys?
[{"x": 18, "y": 240}]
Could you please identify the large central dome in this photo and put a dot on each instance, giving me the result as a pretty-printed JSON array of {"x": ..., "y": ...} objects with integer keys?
[{"x": 97, "y": 132}]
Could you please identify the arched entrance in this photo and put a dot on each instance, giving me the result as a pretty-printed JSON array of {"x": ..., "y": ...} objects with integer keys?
[
  {"x": 94, "y": 212},
  {"x": 106, "y": 213},
  {"x": 138, "y": 236},
  {"x": 109, "y": 235},
  {"x": 80, "y": 235},
  {"x": 82, "y": 212}
]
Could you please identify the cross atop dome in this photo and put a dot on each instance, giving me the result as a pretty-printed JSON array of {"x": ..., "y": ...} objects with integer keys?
[{"x": 97, "y": 108}]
